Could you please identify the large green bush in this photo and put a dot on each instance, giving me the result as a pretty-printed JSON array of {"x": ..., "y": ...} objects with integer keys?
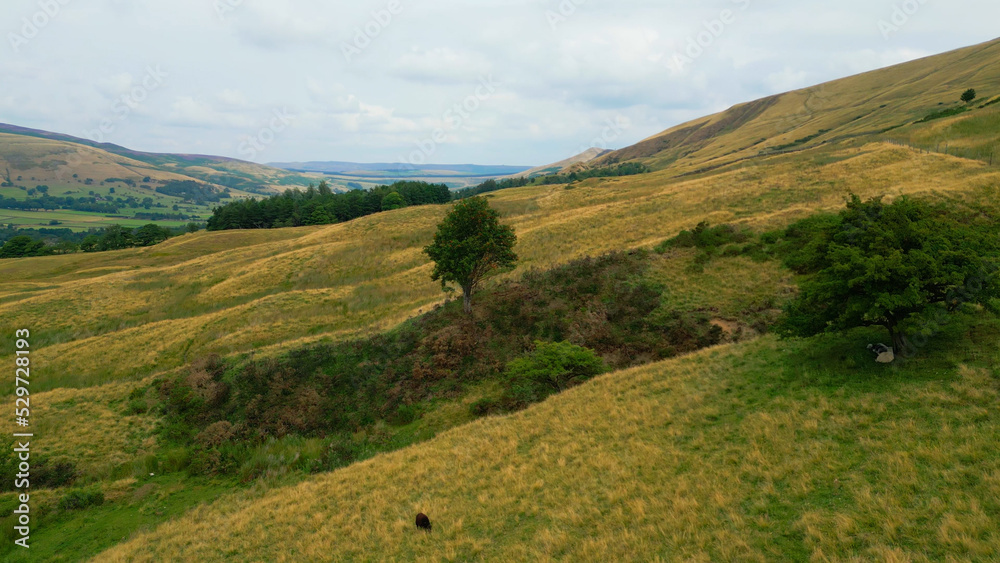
[
  {"x": 551, "y": 368},
  {"x": 81, "y": 498}
]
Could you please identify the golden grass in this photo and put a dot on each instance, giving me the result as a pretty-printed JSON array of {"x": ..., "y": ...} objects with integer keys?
[
  {"x": 88, "y": 427},
  {"x": 862, "y": 106},
  {"x": 47, "y": 160},
  {"x": 106, "y": 316},
  {"x": 681, "y": 460}
]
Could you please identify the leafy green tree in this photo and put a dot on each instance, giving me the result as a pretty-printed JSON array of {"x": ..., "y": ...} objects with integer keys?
[
  {"x": 393, "y": 201},
  {"x": 469, "y": 245},
  {"x": 116, "y": 237},
  {"x": 880, "y": 264},
  {"x": 23, "y": 246},
  {"x": 151, "y": 234},
  {"x": 90, "y": 243},
  {"x": 969, "y": 95}
]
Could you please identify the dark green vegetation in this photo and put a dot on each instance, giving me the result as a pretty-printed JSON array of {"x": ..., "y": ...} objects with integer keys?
[
  {"x": 364, "y": 396},
  {"x": 56, "y": 240},
  {"x": 492, "y": 185},
  {"x": 552, "y": 367},
  {"x": 190, "y": 191},
  {"x": 721, "y": 240},
  {"x": 45, "y": 242},
  {"x": 969, "y": 95},
  {"x": 469, "y": 245},
  {"x": 908, "y": 263},
  {"x": 85, "y": 521},
  {"x": 944, "y": 113},
  {"x": 798, "y": 142},
  {"x": 624, "y": 169},
  {"x": 46, "y": 202},
  {"x": 320, "y": 206},
  {"x": 23, "y": 246}
]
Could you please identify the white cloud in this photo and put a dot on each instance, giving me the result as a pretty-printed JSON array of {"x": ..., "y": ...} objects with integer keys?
[
  {"x": 440, "y": 65},
  {"x": 555, "y": 88}
]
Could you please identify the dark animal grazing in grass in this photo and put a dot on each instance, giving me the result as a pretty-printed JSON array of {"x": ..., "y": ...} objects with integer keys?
[{"x": 423, "y": 522}]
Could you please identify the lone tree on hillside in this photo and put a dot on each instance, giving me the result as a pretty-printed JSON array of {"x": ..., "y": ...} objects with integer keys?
[
  {"x": 880, "y": 264},
  {"x": 969, "y": 95},
  {"x": 470, "y": 244}
]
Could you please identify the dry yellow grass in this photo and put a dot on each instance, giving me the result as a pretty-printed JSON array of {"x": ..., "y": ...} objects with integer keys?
[
  {"x": 865, "y": 105},
  {"x": 86, "y": 426},
  {"x": 685, "y": 459},
  {"x": 705, "y": 458},
  {"x": 47, "y": 161},
  {"x": 53, "y": 162},
  {"x": 101, "y": 317}
]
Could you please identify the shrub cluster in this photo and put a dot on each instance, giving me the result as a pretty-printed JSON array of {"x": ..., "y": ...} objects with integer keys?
[
  {"x": 572, "y": 321},
  {"x": 78, "y": 499}
]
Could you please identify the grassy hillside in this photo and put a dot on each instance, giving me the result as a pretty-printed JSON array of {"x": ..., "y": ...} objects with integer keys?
[
  {"x": 79, "y": 168},
  {"x": 870, "y": 106},
  {"x": 758, "y": 451},
  {"x": 753, "y": 450},
  {"x": 238, "y": 291},
  {"x": 557, "y": 167},
  {"x": 221, "y": 171}
]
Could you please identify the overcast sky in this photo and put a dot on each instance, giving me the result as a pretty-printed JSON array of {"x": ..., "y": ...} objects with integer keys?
[{"x": 522, "y": 82}]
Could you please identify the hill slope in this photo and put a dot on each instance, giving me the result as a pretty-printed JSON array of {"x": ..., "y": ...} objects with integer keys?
[
  {"x": 557, "y": 167},
  {"x": 875, "y": 105},
  {"x": 760, "y": 451},
  {"x": 728, "y": 454},
  {"x": 53, "y": 158}
]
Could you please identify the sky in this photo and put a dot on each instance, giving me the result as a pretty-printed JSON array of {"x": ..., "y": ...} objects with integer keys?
[{"x": 515, "y": 82}]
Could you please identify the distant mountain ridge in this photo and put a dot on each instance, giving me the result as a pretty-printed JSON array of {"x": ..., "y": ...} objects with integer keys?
[
  {"x": 53, "y": 157},
  {"x": 339, "y": 167}
]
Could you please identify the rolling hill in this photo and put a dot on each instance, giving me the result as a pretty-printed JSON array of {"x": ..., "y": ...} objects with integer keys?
[
  {"x": 757, "y": 449},
  {"x": 885, "y": 104},
  {"x": 54, "y": 156},
  {"x": 557, "y": 167},
  {"x": 73, "y": 167}
]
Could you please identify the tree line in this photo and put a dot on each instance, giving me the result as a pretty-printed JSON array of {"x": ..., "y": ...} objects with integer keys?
[
  {"x": 25, "y": 243},
  {"x": 319, "y": 205},
  {"x": 88, "y": 204}
]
